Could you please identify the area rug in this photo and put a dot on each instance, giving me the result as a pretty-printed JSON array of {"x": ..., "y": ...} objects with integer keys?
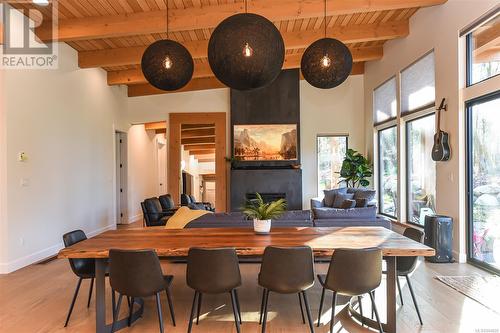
[{"x": 482, "y": 289}]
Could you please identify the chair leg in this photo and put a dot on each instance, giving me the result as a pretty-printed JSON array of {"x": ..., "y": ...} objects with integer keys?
[
  {"x": 373, "y": 293},
  {"x": 301, "y": 309},
  {"x": 237, "y": 299},
  {"x": 376, "y": 313},
  {"x": 360, "y": 303},
  {"x": 170, "y": 305},
  {"x": 264, "y": 320},
  {"x": 73, "y": 301},
  {"x": 130, "y": 311},
  {"x": 321, "y": 306},
  {"x": 334, "y": 303},
  {"x": 235, "y": 312},
  {"x": 113, "y": 302},
  {"x": 308, "y": 311},
  {"x": 399, "y": 290},
  {"x": 262, "y": 306},
  {"x": 90, "y": 291},
  {"x": 200, "y": 295},
  {"x": 116, "y": 313},
  {"x": 158, "y": 308},
  {"x": 414, "y": 299},
  {"x": 191, "y": 317}
]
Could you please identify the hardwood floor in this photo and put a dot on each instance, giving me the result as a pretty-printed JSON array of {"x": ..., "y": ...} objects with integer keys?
[{"x": 36, "y": 299}]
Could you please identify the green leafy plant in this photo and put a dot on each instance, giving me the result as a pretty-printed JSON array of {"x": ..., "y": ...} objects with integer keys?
[
  {"x": 258, "y": 209},
  {"x": 356, "y": 169}
]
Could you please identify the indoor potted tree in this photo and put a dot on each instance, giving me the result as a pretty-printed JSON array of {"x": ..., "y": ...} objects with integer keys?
[
  {"x": 262, "y": 213},
  {"x": 355, "y": 170}
]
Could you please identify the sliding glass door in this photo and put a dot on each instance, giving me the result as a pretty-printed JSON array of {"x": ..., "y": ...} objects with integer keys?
[{"x": 484, "y": 180}]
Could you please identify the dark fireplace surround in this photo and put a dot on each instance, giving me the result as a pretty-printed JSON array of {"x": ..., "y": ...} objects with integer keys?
[{"x": 277, "y": 103}]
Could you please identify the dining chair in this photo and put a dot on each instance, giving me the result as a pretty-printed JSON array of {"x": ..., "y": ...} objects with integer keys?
[
  {"x": 213, "y": 271},
  {"x": 286, "y": 270},
  {"x": 352, "y": 272},
  {"x": 138, "y": 274},
  {"x": 84, "y": 269}
]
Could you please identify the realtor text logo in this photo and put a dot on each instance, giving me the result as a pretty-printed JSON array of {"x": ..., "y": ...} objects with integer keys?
[{"x": 27, "y": 31}]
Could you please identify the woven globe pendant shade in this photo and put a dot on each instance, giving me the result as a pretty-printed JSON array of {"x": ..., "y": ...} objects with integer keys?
[
  {"x": 246, "y": 51},
  {"x": 167, "y": 65},
  {"x": 326, "y": 63}
]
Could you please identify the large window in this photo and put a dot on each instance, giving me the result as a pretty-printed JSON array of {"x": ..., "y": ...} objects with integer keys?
[
  {"x": 420, "y": 168},
  {"x": 418, "y": 85},
  {"x": 388, "y": 171},
  {"x": 331, "y": 153},
  {"x": 385, "y": 102},
  {"x": 483, "y": 48},
  {"x": 484, "y": 180}
]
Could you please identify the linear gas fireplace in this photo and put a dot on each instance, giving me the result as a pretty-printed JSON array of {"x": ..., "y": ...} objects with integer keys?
[{"x": 267, "y": 197}]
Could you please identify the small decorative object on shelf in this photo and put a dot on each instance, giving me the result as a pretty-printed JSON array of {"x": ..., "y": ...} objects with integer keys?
[{"x": 262, "y": 213}]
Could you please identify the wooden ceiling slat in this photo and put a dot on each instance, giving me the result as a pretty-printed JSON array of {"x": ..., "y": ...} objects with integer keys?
[{"x": 387, "y": 16}]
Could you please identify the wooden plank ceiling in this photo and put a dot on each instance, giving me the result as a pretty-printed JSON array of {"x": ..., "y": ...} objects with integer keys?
[
  {"x": 199, "y": 140},
  {"x": 112, "y": 34}
]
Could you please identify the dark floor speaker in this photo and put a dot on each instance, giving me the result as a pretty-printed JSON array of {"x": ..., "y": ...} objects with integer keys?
[{"x": 438, "y": 235}]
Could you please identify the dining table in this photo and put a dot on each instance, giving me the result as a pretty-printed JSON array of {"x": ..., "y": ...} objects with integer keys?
[{"x": 174, "y": 244}]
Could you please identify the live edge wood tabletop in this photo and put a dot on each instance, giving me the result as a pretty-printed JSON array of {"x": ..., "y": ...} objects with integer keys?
[{"x": 176, "y": 243}]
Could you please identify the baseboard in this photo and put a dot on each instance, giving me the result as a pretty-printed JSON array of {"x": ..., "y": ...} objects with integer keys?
[
  {"x": 460, "y": 257},
  {"x": 135, "y": 218},
  {"x": 9, "y": 267}
]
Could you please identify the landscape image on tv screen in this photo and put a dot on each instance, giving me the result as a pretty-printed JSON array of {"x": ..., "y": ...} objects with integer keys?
[{"x": 265, "y": 142}]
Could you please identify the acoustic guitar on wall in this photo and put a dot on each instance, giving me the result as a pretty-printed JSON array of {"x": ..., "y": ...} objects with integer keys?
[{"x": 441, "y": 147}]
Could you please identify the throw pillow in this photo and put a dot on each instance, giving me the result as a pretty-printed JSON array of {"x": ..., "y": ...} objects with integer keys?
[
  {"x": 363, "y": 193},
  {"x": 330, "y": 195},
  {"x": 361, "y": 202},
  {"x": 347, "y": 204},
  {"x": 339, "y": 199}
]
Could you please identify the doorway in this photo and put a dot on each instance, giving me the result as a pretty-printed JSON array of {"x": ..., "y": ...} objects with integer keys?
[
  {"x": 121, "y": 177},
  {"x": 197, "y": 146}
]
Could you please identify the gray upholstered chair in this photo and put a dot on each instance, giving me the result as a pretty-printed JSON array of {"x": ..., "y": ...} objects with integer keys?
[
  {"x": 213, "y": 271},
  {"x": 137, "y": 273},
  {"x": 286, "y": 270},
  {"x": 353, "y": 272}
]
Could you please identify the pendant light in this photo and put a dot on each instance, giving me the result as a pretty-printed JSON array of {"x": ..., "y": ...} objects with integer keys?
[
  {"x": 246, "y": 51},
  {"x": 327, "y": 62},
  {"x": 166, "y": 64}
]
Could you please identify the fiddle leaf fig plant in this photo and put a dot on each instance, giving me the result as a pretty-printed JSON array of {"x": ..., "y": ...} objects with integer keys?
[{"x": 355, "y": 170}]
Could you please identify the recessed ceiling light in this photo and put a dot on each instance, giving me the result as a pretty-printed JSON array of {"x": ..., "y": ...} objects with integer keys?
[{"x": 41, "y": 2}]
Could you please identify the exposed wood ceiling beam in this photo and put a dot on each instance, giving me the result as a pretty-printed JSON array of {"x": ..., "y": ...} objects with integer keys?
[
  {"x": 146, "y": 89},
  {"x": 187, "y": 127},
  {"x": 156, "y": 125},
  {"x": 206, "y": 160},
  {"x": 135, "y": 76},
  {"x": 197, "y": 140},
  {"x": 293, "y": 40},
  {"x": 487, "y": 39},
  {"x": 199, "y": 146},
  {"x": 209, "y": 16},
  {"x": 198, "y": 133},
  {"x": 202, "y": 152}
]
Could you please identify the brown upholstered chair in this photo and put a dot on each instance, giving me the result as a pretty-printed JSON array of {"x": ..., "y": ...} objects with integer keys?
[
  {"x": 353, "y": 272},
  {"x": 213, "y": 271},
  {"x": 286, "y": 270},
  {"x": 137, "y": 273}
]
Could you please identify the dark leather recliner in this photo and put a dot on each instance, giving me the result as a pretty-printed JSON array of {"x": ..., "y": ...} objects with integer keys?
[
  {"x": 154, "y": 215},
  {"x": 166, "y": 202},
  {"x": 190, "y": 201}
]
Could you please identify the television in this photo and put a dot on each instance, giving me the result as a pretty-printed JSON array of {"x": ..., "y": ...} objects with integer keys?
[{"x": 270, "y": 142}]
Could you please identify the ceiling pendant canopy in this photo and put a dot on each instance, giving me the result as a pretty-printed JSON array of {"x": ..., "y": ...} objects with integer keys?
[
  {"x": 246, "y": 51},
  {"x": 326, "y": 63},
  {"x": 166, "y": 64}
]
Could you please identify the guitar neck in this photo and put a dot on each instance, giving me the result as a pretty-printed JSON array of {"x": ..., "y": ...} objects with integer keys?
[{"x": 438, "y": 127}]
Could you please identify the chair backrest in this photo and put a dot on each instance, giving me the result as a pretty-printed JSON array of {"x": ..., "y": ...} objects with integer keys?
[
  {"x": 287, "y": 269},
  {"x": 81, "y": 267},
  {"x": 185, "y": 199},
  {"x": 166, "y": 202},
  {"x": 135, "y": 273},
  {"x": 213, "y": 271},
  {"x": 192, "y": 198},
  {"x": 153, "y": 211},
  {"x": 354, "y": 271},
  {"x": 406, "y": 265}
]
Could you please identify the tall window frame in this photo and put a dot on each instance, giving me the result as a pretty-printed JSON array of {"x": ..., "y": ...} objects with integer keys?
[
  {"x": 380, "y": 176},
  {"x": 345, "y": 136}
]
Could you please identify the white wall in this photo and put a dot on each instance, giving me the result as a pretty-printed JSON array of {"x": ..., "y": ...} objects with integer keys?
[
  {"x": 64, "y": 120},
  {"x": 333, "y": 111},
  {"x": 435, "y": 28}
]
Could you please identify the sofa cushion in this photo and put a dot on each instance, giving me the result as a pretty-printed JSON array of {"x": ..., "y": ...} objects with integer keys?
[
  {"x": 362, "y": 193},
  {"x": 347, "y": 204},
  {"x": 338, "y": 213},
  {"x": 363, "y": 202},
  {"x": 340, "y": 198},
  {"x": 330, "y": 195}
]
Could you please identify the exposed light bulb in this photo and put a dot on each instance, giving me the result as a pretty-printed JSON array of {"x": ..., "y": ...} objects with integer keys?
[
  {"x": 326, "y": 61},
  {"x": 168, "y": 62},
  {"x": 247, "y": 50}
]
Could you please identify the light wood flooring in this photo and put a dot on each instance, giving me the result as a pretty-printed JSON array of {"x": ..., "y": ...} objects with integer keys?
[{"x": 36, "y": 299}]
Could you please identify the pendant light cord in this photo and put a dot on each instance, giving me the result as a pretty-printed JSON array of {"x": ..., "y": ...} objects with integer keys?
[
  {"x": 167, "y": 20},
  {"x": 246, "y": 7},
  {"x": 325, "y": 18}
]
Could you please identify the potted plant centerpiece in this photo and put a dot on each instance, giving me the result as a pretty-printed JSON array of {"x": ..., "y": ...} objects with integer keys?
[{"x": 262, "y": 213}]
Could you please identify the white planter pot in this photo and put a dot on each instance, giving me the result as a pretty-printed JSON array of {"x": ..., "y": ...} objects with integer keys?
[{"x": 262, "y": 226}]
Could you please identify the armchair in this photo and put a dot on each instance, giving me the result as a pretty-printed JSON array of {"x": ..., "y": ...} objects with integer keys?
[{"x": 153, "y": 213}]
